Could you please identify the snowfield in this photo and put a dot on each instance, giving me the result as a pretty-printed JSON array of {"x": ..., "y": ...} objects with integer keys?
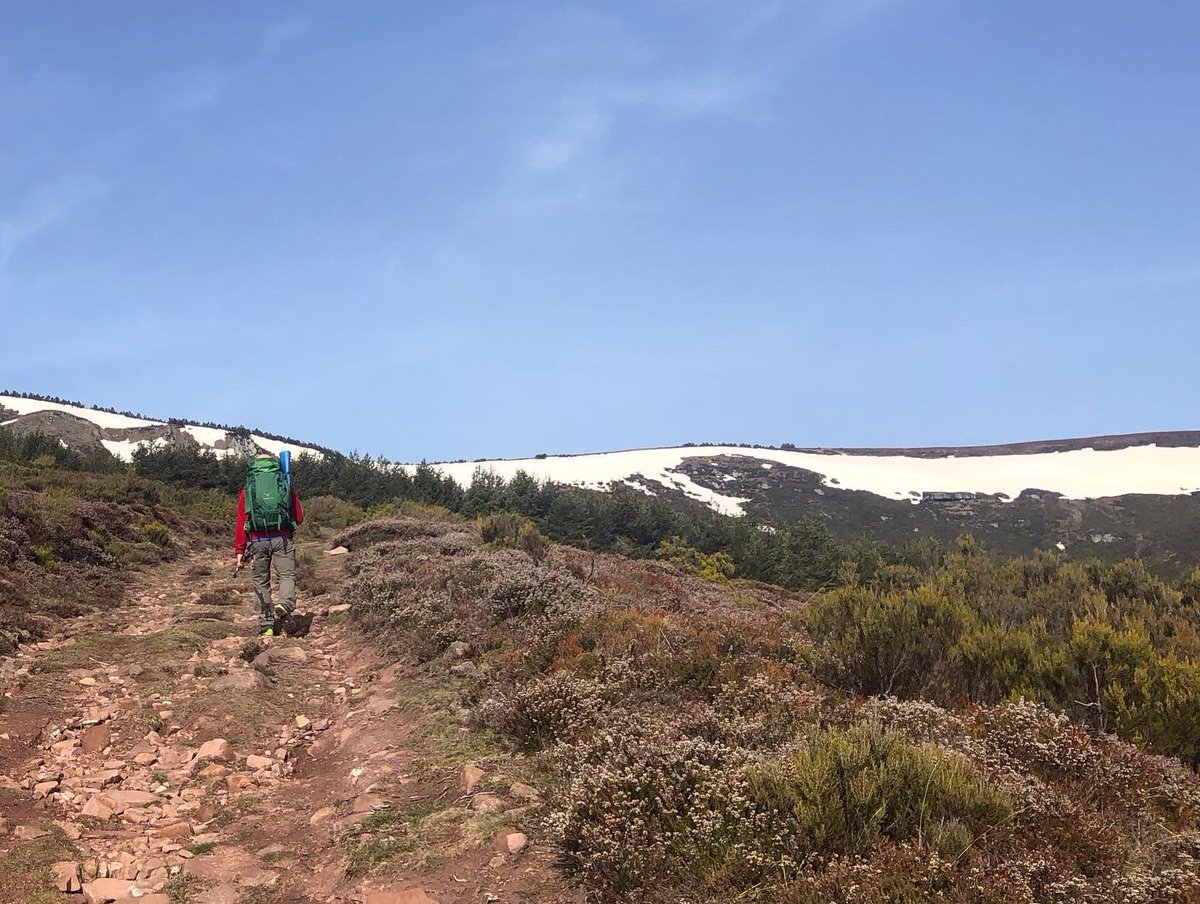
[
  {"x": 1079, "y": 474},
  {"x": 123, "y": 449},
  {"x": 99, "y": 418},
  {"x": 1145, "y": 469}
]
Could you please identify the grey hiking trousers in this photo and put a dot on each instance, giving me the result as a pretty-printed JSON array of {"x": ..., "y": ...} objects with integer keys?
[{"x": 282, "y": 552}]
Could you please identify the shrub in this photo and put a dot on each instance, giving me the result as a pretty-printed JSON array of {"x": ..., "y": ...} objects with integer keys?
[
  {"x": 884, "y": 643},
  {"x": 321, "y": 512},
  {"x": 157, "y": 533},
  {"x": 549, "y": 710},
  {"x": 501, "y": 529},
  {"x": 308, "y": 576},
  {"x": 512, "y": 531},
  {"x": 648, "y": 808},
  {"x": 1000, "y": 663},
  {"x": 716, "y": 566},
  {"x": 531, "y": 542},
  {"x": 45, "y": 557},
  {"x": 846, "y": 791}
]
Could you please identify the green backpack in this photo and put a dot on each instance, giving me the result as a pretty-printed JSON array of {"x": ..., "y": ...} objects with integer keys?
[{"x": 268, "y": 497}]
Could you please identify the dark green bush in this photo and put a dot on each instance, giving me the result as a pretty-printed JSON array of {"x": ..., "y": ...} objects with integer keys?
[
  {"x": 901, "y": 642},
  {"x": 506, "y": 529}
]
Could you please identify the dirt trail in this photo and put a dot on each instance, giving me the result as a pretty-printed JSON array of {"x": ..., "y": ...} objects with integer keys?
[{"x": 172, "y": 756}]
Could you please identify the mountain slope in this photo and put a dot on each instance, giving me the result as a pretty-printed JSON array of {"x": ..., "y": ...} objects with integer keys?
[
  {"x": 725, "y": 477},
  {"x": 92, "y": 429},
  {"x": 1114, "y": 496}
]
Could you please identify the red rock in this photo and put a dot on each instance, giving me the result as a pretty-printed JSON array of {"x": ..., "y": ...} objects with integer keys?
[
  {"x": 97, "y": 809},
  {"x": 132, "y": 798},
  {"x": 218, "y": 749},
  {"x": 472, "y": 775},
  {"x": 105, "y": 891},
  {"x": 365, "y": 803},
  {"x": 182, "y": 829},
  {"x": 221, "y": 894},
  {"x": 66, "y": 876},
  {"x": 95, "y": 739},
  {"x": 321, "y": 815},
  {"x": 521, "y": 791},
  {"x": 240, "y": 782},
  {"x": 408, "y": 896},
  {"x": 488, "y": 803}
]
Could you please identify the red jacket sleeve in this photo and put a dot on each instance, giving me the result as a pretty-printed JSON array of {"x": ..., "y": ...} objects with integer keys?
[
  {"x": 296, "y": 510},
  {"x": 239, "y": 528}
]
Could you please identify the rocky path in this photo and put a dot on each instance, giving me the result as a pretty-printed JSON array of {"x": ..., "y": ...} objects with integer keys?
[{"x": 161, "y": 753}]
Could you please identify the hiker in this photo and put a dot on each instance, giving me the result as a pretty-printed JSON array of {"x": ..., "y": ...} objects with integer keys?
[{"x": 269, "y": 511}]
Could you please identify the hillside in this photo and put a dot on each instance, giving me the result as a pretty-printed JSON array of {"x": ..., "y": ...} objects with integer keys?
[
  {"x": 466, "y": 714},
  {"x": 92, "y": 429},
  {"x": 1113, "y": 496}
]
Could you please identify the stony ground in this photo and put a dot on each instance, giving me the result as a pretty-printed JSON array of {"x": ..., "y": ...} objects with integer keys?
[{"x": 159, "y": 752}]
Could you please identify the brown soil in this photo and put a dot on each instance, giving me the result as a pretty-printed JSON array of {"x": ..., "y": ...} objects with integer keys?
[{"x": 360, "y": 792}]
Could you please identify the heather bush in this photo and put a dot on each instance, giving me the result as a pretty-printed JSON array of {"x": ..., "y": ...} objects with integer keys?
[
  {"x": 696, "y": 757},
  {"x": 515, "y": 589},
  {"x": 649, "y": 807},
  {"x": 764, "y": 712},
  {"x": 550, "y": 710}
]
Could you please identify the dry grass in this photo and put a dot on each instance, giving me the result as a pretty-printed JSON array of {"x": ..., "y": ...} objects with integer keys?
[{"x": 25, "y": 877}]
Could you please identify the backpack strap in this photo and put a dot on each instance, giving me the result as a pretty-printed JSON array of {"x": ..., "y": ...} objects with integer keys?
[{"x": 250, "y": 503}]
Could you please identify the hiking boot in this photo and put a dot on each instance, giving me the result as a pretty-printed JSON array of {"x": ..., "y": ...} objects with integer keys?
[
  {"x": 281, "y": 617},
  {"x": 267, "y": 632}
]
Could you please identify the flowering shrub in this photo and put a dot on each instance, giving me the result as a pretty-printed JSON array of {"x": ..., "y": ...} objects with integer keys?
[
  {"x": 549, "y": 710},
  {"x": 698, "y": 758},
  {"x": 648, "y": 805}
]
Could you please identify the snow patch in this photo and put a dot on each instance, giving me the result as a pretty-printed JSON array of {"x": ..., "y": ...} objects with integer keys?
[
  {"x": 1077, "y": 474},
  {"x": 205, "y": 436},
  {"x": 99, "y": 418},
  {"x": 124, "y": 448}
]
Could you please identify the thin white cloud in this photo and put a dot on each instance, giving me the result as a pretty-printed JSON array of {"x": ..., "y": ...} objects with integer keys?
[
  {"x": 700, "y": 94},
  {"x": 587, "y": 120},
  {"x": 591, "y": 85},
  {"x": 569, "y": 139},
  {"x": 758, "y": 19},
  {"x": 575, "y": 158},
  {"x": 43, "y": 209},
  {"x": 196, "y": 91},
  {"x": 277, "y": 35}
]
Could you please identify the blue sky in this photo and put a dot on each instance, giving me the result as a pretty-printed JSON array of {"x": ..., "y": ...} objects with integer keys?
[{"x": 468, "y": 229}]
